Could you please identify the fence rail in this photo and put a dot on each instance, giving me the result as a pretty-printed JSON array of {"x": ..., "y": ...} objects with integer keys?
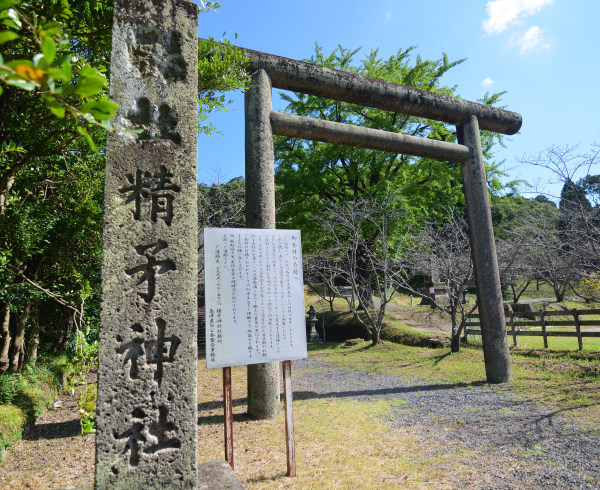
[{"x": 513, "y": 327}]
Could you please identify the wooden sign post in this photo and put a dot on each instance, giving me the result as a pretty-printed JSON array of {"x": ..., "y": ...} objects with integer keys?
[
  {"x": 255, "y": 310},
  {"x": 228, "y": 416},
  {"x": 289, "y": 418}
]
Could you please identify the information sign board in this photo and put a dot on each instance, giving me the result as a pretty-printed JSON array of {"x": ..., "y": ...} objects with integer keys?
[{"x": 254, "y": 296}]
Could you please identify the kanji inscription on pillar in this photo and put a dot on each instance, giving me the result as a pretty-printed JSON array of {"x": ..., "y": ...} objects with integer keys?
[
  {"x": 146, "y": 410},
  {"x": 254, "y": 296}
]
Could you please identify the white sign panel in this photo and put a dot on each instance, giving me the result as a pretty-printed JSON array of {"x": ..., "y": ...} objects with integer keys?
[{"x": 254, "y": 296}]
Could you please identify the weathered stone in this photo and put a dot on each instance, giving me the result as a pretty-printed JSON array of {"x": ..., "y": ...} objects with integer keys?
[
  {"x": 496, "y": 354},
  {"x": 147, "y": 354},
  {"x": 261, "y": 122},
  {"x": 217, "y": 474},
  {"x": 359, "y": 137},
  {"x": 263, "y": 379},
  {"x": 436, "y": 342},
  {"x": 309, "y": 78}
]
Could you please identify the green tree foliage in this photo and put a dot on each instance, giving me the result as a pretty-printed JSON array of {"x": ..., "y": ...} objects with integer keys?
[
  {"x": 311, "y": 173},
  {"x": 221, "y": 69},
  {"x": 54, "y": 112},
  {"x": 56, "y": 50},
  {"x": 573, "y": 196},
  {"x": 219, "y": 206},
  {"x": 222, "y": 205}
]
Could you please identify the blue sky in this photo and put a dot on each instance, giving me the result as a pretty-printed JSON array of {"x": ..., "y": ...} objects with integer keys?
[{"x": 544, "y": 53}]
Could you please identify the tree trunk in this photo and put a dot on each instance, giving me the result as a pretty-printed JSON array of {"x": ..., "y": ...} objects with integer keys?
[
  {"x": 31, "y": 353},
  {"x": 18, "y": 349},
  {"x": 559, "y": 291},
  {"x": 4, "y": 347},
  {"x": 456, "y": 331},
  {"x": 331, "y": 297},
  {"x": 455, "y": 343},
  {"x": 4, "y": 194},
  {"x": 363, "y": 278},
  {"x": 376, "y": 337},
  {"x": 66, "y": 332},
  {"x": 35, "y": 342}
]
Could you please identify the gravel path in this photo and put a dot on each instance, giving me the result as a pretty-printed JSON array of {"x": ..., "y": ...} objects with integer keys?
[
  {"x": 508, "y": 442},
  {"x": 519, "y": 444}
]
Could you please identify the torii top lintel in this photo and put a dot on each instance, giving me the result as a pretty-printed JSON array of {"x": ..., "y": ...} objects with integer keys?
[{"x": 300, "y": 76}]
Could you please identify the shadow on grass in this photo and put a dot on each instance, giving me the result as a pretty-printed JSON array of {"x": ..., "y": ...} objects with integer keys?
[
  {"x": 214, "y": 404},
  {"x": 309, "y": 395},
  {"x": 556, "y": 354},
  {"x": 441, "y": 357},
  {"x": 53, "y": 430},
  {"x": 218, "y": 419},
  {"x": 271, "y": 478}
]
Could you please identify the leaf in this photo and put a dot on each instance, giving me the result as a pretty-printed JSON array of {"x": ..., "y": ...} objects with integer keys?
[
  {"x": 81, "y": 130},
  {"x": 6, "y": 36},
  {"x": 39, "y": 61},
  {"x": 9, "y": 23},
  {"x": 24, "y": 84},
  {"x": 4, "y": 4},
  {"x": 102, "y": 110},
  {"x": 54, "y": 105},
  {"x": 90, "y": 82},
  {"x": 66, "y": 66},
  {"x": 65, "y": 58},
  {"x": 14, "y": 16},
  {"x": 49, "y": 49},
  {"x": 51, "y": 29}
]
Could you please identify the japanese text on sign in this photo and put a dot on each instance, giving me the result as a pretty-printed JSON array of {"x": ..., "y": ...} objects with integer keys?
[{"x": 254, "y": 296}]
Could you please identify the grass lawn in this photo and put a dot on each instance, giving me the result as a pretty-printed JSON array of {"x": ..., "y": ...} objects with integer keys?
[
  {"x": 342, "y": 443},
  {"x": 525, "y": 343}
]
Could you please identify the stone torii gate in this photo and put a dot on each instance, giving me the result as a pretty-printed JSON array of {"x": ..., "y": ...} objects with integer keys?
[{"x": 270, "y": 71}]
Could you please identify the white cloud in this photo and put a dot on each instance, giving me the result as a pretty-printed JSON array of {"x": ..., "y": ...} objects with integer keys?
[
  {"x": 388, "y": 16},
  {"x": 504, "y": 13},
  {"x": 532, "y": 40},
  {"x": 487, "y": 82}
]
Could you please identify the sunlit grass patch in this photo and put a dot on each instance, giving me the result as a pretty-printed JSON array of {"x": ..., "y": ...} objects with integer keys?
[
  {"x": 339, "y": 443},
  {"x": 562, "y": 381}
]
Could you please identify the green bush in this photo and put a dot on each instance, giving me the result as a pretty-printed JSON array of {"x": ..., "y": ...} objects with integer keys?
[
  {"x": 12, "y": 421},
  {"x": 9, "y": 388},
  {"x": 399, "y": 333},
  {"x": 24, "y": 396}
]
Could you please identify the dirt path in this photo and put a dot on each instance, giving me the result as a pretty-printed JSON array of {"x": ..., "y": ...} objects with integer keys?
[
  {"x": 52, "y": 454},
  {"x": 424, "y": 321}
]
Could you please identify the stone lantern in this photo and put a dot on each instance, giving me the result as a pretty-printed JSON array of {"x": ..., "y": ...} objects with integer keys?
[{"x": 311, "y": 331}]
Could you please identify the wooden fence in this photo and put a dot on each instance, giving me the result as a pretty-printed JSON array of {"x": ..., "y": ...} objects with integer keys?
[{"x": 514, "y": 326}]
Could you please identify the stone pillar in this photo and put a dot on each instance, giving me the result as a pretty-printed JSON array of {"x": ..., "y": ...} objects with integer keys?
[
  {"x": 263, "y": 379},
  {"x": 483, "y": 249},
  {"x": 147, "y": 412}
]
